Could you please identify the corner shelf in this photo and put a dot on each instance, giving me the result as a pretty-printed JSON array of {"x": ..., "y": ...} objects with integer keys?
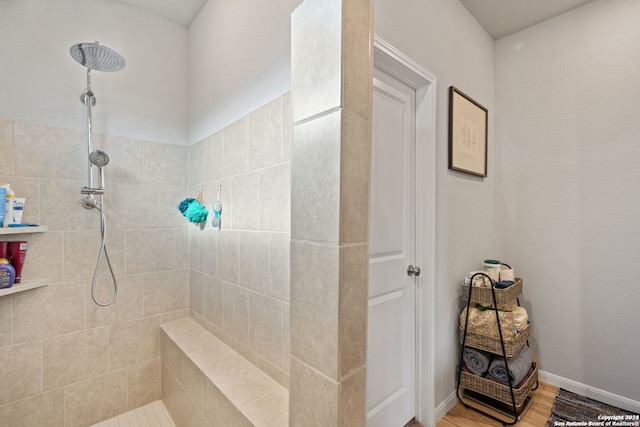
[
  {"x": 21, "y": 287},
  {"x": 23, "y": 230}
]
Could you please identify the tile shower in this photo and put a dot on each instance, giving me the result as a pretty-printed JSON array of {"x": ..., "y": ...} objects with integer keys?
[{"x": 66, "y": 362}]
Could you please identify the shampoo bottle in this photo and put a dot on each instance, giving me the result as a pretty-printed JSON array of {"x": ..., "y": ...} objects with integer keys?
[
  {"x": 18, "y": 252},
  {"x": 7, "y": 274}
]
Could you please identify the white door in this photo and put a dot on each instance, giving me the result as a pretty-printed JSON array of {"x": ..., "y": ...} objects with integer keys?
[{"x": 391, "y": 377}]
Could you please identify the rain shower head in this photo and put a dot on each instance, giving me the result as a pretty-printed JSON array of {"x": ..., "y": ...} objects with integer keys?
[
  {"x": 99, "y": 158},
  {"x": 97, "y": 57}
]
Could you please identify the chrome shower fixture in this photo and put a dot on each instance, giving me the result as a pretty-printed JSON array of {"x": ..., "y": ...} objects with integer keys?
[
  {"x": 97, "y": 57},
  {"x": 99, "y": 159}
]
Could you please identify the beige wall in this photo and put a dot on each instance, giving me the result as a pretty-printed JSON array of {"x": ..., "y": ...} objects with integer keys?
[
  {"x": 240, "y": 274},
  {"x": 63, "y": 359}
]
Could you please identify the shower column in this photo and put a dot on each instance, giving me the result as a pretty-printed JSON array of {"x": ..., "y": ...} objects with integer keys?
[{"x": 332, "y": 66}]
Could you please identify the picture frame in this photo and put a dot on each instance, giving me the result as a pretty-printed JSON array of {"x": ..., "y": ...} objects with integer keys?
[{"x": 468, "y": 124}]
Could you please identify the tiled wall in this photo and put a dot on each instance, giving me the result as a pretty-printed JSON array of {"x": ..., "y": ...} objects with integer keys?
[
  {"x": 63, "y": 360},
  {"x": 240, "y": 274}
]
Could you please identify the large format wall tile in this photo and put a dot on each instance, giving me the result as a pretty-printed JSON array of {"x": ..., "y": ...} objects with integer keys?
[
  {"x": 96, "y": 399},
  {"x": 74, "y": 357},
  {"x": 253, "y": 249},
  {"x": 214, "y": 301},
  {"x": 354, "y": 305},
  {"x": 81, "y": 251},
  {"x": 246, "y": 212},
  {"x": 357, "y": 60},
  {"x": 236, "y": 312},
  {"x": 213, "y": 157},
  {"x": 34, "y": 157},
  {"x": 197, "y": 282},
  {"x": 228, "y": 256},
  {"x": 316, "y": 67},
  {"x": 133, "y": 205},
  {"x": 45, "y": 257},
  {"x": 165, "y": 291},
  {"x": 42, "y": 410},
  {"x": 6, "y": 322},
  {"x": 353, "y": 408},
  {"x": 354, "y": 178},
  {"x": 316, "y": 397},
  {"x": 20, "y": 370},
  {"x": 315, "y": 164},
  {"x": 51, "y": 310},
  {"x": 208, "y": 250},
  {"x": 150, "y": 250},
  {"x": 265, "y": 135},
  {"x": 64, "y": 216},
  {"x": 170, "y": 198},
  {"x": 275, "y": 198},
  {"x": 265, "y": 327},
  {"x": 126, "y": 158},
  {"x": 143, "y": 384},
  {"x": 279, "y": 250},
  {"x": 314, "y": 305},
  {"x": 165, "y": 163},
  {"x": 236, "y": 147},
  {"x": 127, "y": 306},
  {"x": 134, "y": 342},
  {"x": 287, "y": 127}
]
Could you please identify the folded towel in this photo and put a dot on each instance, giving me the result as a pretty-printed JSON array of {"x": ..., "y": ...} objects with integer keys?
[
  {"x": 519, "y": 366},
  {"x": 504, "y": 284},
  {"x": 476, "y": 360}
]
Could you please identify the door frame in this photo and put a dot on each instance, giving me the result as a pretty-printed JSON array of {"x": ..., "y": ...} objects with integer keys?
[{"x": 395, "y": 63}]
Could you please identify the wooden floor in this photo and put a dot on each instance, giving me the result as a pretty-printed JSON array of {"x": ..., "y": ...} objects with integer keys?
[{"x": 536, "y": 416}]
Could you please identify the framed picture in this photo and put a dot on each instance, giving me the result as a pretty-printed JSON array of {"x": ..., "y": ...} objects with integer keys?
[{"x": 467, "y": 134}]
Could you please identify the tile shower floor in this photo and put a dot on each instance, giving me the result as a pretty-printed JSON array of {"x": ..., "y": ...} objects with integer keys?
[{"x": 153, "y": 414}]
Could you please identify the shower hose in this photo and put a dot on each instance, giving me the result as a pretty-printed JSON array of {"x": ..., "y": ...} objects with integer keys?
[{"x": 103, "y": 250}]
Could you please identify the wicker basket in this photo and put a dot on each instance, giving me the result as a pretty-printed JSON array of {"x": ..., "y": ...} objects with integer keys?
[
  {"x": 484, "y": 296},
  {"x": 492, "y": 344},
  {"x": 497, "y": 390}
]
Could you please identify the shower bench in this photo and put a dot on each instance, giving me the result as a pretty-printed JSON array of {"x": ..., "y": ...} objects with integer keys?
[{"x": 205, "y": 379}]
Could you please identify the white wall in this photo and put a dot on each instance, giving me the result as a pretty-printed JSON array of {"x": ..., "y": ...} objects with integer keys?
[
  {"x": 444, "y": 38},
  {"x": 40, "y": 83},
  {"x": 239, "y": 59},
  {"x": 568, "y": 98}
]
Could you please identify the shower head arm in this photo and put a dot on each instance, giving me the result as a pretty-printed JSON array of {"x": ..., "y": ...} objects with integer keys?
[
  {"x": 88, "y": 79},
  {"x": 88, "y": 96}
]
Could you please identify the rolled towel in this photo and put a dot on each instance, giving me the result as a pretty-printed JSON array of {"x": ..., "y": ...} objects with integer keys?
[
  {"x": 476, "y": 360},
  {"x": 519, "y": 366}
]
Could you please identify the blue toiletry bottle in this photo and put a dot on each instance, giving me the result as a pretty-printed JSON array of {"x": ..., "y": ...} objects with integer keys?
[{"x": 7, "y": 274}]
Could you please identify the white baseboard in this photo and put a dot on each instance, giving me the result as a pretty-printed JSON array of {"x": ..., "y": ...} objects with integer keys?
[
  {"x": 446, "y": 405},
  {"x": 588, "y": 391}
]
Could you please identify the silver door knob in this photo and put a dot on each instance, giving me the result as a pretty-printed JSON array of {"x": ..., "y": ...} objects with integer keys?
[{"x": 413, "y": 271}]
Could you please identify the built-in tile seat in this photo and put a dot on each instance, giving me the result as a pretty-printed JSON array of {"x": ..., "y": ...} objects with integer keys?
[{"x": 203, "y": 379}]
